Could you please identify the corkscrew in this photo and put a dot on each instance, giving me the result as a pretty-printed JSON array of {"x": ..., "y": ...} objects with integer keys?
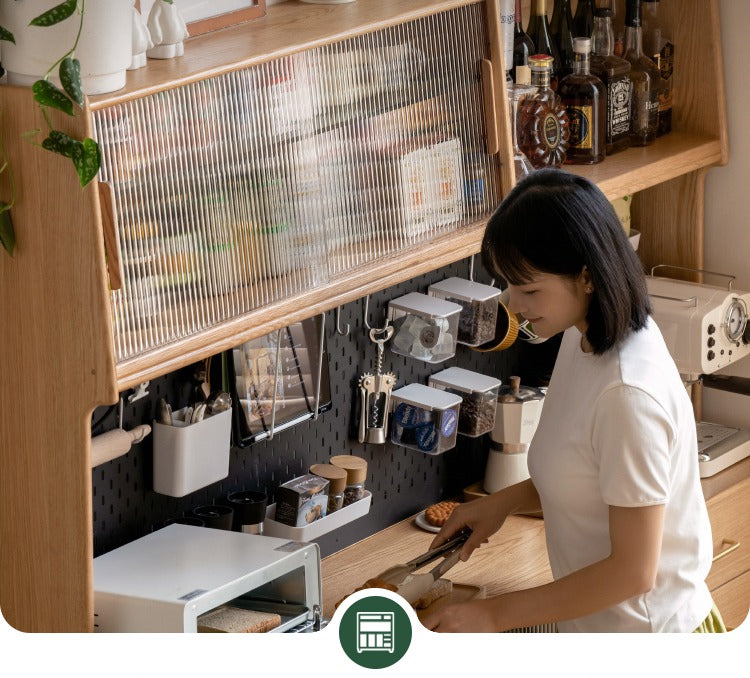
[{"x": 375, "y": 393}]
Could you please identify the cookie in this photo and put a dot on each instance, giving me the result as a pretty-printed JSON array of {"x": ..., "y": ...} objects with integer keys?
[{"x": 438, "y": 514}]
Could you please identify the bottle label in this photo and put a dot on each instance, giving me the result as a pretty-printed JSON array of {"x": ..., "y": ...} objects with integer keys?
[
  {"x": 618, "y": 112},
  {"x": 551, "y": 131},
  {"x": 580, "y": 126},
  {"x": 645, "y": 110}
]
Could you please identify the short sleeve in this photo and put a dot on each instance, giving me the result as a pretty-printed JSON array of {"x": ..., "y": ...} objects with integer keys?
[{"x": 632, "y": 440}]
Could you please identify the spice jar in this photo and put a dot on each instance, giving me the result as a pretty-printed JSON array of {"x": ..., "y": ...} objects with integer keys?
[
  {"x": 356, "y": 474},
  {"x": 424, "y": 327},
  {"x": 476, "y": 322},
  {"x": 424, "y": 418},
  {"x": 336, "y": 483},
  {"x": 476, "y": 415}
]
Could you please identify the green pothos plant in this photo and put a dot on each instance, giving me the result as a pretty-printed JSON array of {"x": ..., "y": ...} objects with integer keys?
[{"x": 84, "y": 153}]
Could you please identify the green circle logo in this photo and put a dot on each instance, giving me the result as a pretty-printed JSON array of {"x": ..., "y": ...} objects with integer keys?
[{"x": 375, "y": 632}]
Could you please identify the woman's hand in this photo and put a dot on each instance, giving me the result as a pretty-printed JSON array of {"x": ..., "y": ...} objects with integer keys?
[{"x": 476, "y": 616}]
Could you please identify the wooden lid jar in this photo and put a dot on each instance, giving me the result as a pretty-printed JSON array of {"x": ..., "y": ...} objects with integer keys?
[
  {"x": 337, "y": 478},
  {"x": 356, "y": 474}
]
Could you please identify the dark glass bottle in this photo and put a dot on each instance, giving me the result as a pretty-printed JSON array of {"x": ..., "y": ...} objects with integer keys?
[
  {"x": 538, "y": 30},
  {"x": 584, "y": 96},
  {"x": 523, "y": 45},
  {"x": 660, "y": 49},
  {"x": 543, "y": 125},
  {"x": 646, "y": 79},
  {"x": 561, "y": 29},
  {"x": 614, "y": 72},
  {"x": 583, "y": 21}
]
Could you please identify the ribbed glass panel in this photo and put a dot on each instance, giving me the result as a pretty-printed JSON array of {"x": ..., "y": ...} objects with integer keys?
[{"x": 253, "y": 186}]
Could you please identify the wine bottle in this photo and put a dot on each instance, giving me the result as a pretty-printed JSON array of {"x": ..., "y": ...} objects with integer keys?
[
  {"x": 561, "y": 29},
  {"x": 538, "y": 30},
  {"x": 523, "y": 46},
  {"x": 660, "y": 49},
  {"x": 583, "y": 20}
]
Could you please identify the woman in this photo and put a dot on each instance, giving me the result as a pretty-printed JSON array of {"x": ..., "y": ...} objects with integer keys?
[{"x": 614, "y": 461}]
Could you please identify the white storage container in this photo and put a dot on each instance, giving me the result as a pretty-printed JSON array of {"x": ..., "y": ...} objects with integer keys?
[
  {"x": 476, "y": 323},
  {"x": 479, "y": 392},
  {"x": 190, "y": 456},
  {"x": 424, "y": 418},
  {"x": 425, "y": 327}
]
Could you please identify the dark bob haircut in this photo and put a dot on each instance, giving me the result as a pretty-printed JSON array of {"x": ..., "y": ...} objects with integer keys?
[{"x": 556, "y": 222}]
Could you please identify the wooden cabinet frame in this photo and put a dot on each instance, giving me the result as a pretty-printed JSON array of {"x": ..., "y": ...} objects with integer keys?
[{"x": 56, "y": 354}]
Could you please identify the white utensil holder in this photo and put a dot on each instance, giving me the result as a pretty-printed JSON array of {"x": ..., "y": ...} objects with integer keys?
[{"x": 188, "y": 457}]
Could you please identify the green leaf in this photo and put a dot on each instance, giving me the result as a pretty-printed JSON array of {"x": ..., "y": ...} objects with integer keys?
[
  {"x": 88, "y": 163},
  {"x": 7, "y": 235},
  {"x": 57, "y": 142},
  {"x": 56, "y": 14},
  {"x": 70, "y": 77},
  {"x": 47, "y": 94},
  {"x": 5, "y": 34}
]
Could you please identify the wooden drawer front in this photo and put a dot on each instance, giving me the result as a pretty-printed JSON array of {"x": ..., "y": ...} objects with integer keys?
[
  {"x": 733, "y": 600},
  {"x": 729, "y": 513}
]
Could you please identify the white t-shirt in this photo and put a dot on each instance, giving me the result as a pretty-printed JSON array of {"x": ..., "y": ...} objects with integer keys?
[{"x": 618, "y": 430}]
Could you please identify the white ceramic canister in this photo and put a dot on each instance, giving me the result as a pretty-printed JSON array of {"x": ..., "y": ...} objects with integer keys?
[{"x": 104, "y": 49}]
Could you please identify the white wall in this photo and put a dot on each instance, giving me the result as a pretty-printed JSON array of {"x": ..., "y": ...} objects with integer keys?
[{"x": 727, "y": 215}]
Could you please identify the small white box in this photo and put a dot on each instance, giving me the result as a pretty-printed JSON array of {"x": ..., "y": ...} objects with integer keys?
[{"x": 190, "y": 456}]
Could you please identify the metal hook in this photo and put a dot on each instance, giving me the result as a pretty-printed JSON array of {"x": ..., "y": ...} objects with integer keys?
[
  {"x": 366, "y": 313},
  {"x": 275, "y": 385},
  {"x": 471, "y": 271},
  {"x": 345, "y": 333},
  {"x": 321, "y": 340}
]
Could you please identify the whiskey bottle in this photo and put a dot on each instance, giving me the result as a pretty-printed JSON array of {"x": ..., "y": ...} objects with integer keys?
[
  {"x": 561, "y": 28},
  {"x": 583, "y": 20},
  {"x": 646, "y": 79},
  {"x": 614, "y": 72},
  {"x": 543, "y": 125},
  {"x": 523, "y": 46},
  {"x": 538, "y": 30},
  {"x": 584, "y": 97},
  {"x": 660, "y": 49},
  {"x": 506, "y": 31}
]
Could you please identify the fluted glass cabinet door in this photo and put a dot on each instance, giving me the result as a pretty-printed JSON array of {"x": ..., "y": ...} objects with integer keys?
[{"x": 249, "y": 187}]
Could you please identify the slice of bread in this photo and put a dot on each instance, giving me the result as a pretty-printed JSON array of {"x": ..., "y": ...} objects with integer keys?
[
  {"x": 230, "y": 619},
  {"x": 442, "y": 587}
]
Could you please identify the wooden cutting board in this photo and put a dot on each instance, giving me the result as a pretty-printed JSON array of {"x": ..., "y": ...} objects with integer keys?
[{"x": 461, "y": 593}]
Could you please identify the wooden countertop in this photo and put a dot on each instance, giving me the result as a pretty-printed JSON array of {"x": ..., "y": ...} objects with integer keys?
[{"x": 515, "y": 558}]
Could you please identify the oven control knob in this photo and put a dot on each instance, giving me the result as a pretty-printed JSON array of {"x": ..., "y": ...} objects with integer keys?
[
  {"x": 711, "y": 342},
  {"x": 711, "y": 355},
  {"x": 711, "y": 329}
]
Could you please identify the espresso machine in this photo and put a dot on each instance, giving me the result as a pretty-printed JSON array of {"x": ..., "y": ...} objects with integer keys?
[{"x": 518, "y": 411}]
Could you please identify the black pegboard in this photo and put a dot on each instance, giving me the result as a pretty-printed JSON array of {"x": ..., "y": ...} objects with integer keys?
[{"x": 402, "y": 481}]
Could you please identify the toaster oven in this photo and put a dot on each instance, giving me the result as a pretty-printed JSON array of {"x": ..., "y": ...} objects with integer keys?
[{"x": 165, "y": 581}]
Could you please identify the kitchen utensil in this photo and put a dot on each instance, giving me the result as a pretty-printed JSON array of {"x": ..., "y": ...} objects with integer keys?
[
  {"x": 416, "y": 586},
  {"x": 375, "y": 394},
  {"x": 395, "y": 575},
  {"x": 218, "y": 401}
]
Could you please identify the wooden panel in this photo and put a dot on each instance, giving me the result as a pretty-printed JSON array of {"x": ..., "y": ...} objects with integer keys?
[
  {"x": 732, "y": 600},
  {"x": 56, "y": 365},
  {"x": 728, "y": 512},
  {"x": 514, "y": 558}
]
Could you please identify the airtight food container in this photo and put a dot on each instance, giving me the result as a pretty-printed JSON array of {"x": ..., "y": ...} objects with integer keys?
[
  {"x": 476, "y": 322},
  {"x": 476, "y": 415},
  {"x": 425, "y": 327},
  {"x": 424, "y": 418}
]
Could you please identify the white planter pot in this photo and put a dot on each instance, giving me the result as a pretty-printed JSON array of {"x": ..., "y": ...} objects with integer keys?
[{"x": 104, "y": 49}]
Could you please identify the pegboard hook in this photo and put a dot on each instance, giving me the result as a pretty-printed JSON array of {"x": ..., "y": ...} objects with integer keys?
[
  {"x": 365, "y": 315},
  {"x": 344, "y": 333},
  {"x": 275, "y": 384},
  {"x": 471, "y": 271},
  {"x": 321, "y": 340}
]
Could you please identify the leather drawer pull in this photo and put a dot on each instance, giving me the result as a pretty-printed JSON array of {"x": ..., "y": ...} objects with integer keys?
[{"x": 730, "y": 544}]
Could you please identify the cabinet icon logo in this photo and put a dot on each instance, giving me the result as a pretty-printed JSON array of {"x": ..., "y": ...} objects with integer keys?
[{"x": 375, "y": 632}]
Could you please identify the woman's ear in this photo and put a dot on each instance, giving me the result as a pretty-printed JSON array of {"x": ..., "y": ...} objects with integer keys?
[{"x": 584, "y": 278}]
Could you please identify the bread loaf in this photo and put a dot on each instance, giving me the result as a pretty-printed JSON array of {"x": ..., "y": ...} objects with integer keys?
[
  {"x": 230, "y": 619},
  {"x": 442, "y": 587}
]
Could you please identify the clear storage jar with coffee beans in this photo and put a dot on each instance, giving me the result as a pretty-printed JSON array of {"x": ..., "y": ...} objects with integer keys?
[
  {"x": 356, "y": 474},
  {"x": 425, "y": 327},
  {"x": 476, "y": 322},
  {"x": 424, "y": 418},
  {"x": 476, "y": 415},
  {"x": 336, "y": 478}
]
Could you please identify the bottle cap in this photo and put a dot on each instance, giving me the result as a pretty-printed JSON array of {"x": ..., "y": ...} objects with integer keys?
[
  {"x": 603, "y": 12},
  {"x": 541, "y": 62},
  {"x": 355, "y": 467},
  {"x": 582, "y": 45}
]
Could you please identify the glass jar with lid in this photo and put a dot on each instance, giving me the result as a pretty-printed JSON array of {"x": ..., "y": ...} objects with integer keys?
[
  {"x": 356, "y": 475},
  {"x": 476, "y": 322},
  {"x": 424, "y": 418},
  {"x": 426, "y": 327},
  {"x": 476, "y": 415},
  {"x": 336, "y": 478}
]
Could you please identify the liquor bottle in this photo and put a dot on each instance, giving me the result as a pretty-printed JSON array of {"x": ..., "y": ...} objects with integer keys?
[
  {"x": 561, "y": 29},
  {"x": 583, "y": 20},
  {"x": 614, "y": 72},
  {"x": 506, "y": 31},
  {"x": 584, "y": 97},
  {"x": 660, "y": 48},
  {"x": 646, "y": 79},
  {"x": 523, "y": 46},
  {"x": 538, "y": 30},
  {"x": 543, "y": 125}
]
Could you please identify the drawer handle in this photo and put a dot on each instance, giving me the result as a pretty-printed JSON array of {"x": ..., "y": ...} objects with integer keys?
[{"x": 730, "y": 544}]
